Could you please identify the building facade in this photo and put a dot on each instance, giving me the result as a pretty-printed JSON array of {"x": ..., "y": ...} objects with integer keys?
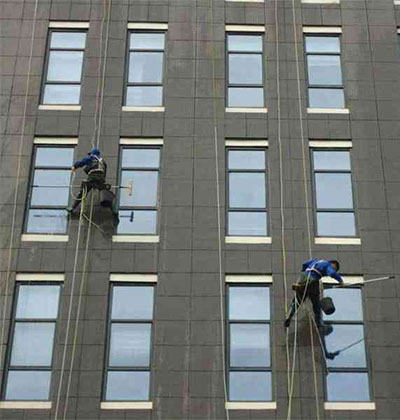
[{"x": 241, "y": 138}]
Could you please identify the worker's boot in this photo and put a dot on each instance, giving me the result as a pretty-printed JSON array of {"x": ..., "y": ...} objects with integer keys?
[{"x": 74, "y": 205}]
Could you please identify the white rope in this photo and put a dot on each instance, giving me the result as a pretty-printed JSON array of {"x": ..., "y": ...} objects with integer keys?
[
  {"x": 14, "y": 214},
  {"x": 313, "y": 361},
  {"x": 221, "y": 279}
]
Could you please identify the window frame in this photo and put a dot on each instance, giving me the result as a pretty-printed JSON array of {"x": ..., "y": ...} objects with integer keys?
[
  {"x": 33, "y": 168},
  {"x": 314, "y": 192},
  {"x": 228, "y": 171},
  {"x": 10, "y": 342},
  {"x": 107, "y": 367},
  {"x": 228, "y": 85},
  {"x": 128, "y": 51},
  {"x": 228, "y": 323},
  {"x": 367, "y": 369},
  {"x": 143, "y": 208},
  {"x": 47, "y": 59},
  {"x": 307, "y": 54}
]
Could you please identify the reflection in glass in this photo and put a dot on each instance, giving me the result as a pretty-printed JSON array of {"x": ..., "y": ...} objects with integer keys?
[
  {"x": 348, "y": 304},
  {"x": 246, "y": 97},
  {"x": 38, "y": 302},
  {"x": 47, "y": 221},
  {"x": 144, "y": 96},
  {"x": 137, "y": 222},
  {"x": 322, "y": 44},
  {"x": 246, "y": 159},
  {"x": 54, "y": 157},
  {"x": 61, "y": 94},
  {"x": 250, "y": 386},
  {"x": 68, "y": 40},
  {"x": 347, "y": 386},
  {"x": 28, "y": 385},
  {"x": 243, "y": 223},
  {"x": 334, "y": 191},
  {"x": 141, "y": 158},
  {"x": 332, "y": 160},
  {"x": 147, "y": 41},
  {"x": 245, "y": 69},
  {"x": 245, "y": 43},
  {"x": 145, "y": 67},
  {"x": 128, "y": 386},
  {"x": 249, "y": 303},
  {"x": 326, "y": 98},
  {"x": 336, "y": 224},
  {"x": 145, "y": 184},
  {"x": 324, "y": 70},
  {"x": 65, "y": 66},
  {"x": 247, "y": 190},
  {"x": 132, "y": 302}
]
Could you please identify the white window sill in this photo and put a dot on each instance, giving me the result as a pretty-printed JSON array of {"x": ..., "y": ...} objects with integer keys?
[
  {"x": 143, "y": 108},
  {"x": 247, "y": 110},
  {"x": 135, "y": 405},
  {"x": 331, "y": 143},
  {"x": 250, "y": 405},
  {"x": 320, "y": 1},
  {"x": 244, "y": 1},
  {"x": 31, "y": 237},
  {"x": 349, "y": 406},
  {"x": 338, "y": 241},
  {"x": 251, "y": 278},
  {"x": 60, "y": 107},
  {"x": 136, "y": 238},
  {"x": 397, "y": 2},
  {"x": 25, "y": 405},
  {"x": 133, "y": 278},
  {"x": 328, "y": 111},
  {"x": 248, "y": 239}
]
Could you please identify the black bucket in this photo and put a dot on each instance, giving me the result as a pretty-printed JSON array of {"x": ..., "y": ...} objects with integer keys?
[
  {"x": 106, "y": 198},
  {"x": 327, "y": 305}
]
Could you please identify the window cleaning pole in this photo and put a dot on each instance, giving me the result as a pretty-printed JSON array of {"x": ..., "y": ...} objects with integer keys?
[{"x": 364, "y": 282}]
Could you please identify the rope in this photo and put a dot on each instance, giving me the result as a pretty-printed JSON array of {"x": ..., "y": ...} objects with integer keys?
[
  {"x": 314, "y": 367},
  {"x": 221, "y": 280},
  {"x": 14, "y": 214}
]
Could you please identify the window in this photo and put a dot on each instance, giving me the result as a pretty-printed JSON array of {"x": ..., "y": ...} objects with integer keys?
[
  {"x": 245, "y": 70},
  {"x": 249, "y": 348},
  {"x": 145, "y": 69},
  {"x": 62, "y": 84},
  {"x": 138, "y": 211},
  {"x": 49, "y": 190},
  {"x": 325, "y": 82},
  {"x": 129, "y": 343},
  {"x": 247, "y": 191},
  {"x": 333, "y": 193},
  {"x": 348, "y": 372},
  {"x": 30, "y": 354}
]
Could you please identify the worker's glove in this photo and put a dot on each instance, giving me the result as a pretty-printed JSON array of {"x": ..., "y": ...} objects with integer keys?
[
  {"x": 73, "y": 168},
  {"x": 331, "y": 356}
]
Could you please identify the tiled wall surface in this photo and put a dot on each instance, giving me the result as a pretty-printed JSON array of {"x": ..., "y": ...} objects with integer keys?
[{"x": 187, "y": 378}]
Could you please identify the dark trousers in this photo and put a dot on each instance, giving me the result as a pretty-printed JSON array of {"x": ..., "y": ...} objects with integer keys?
[{"x": 94, "y": 180}]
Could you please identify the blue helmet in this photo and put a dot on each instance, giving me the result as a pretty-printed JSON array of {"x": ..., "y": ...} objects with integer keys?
[{"x": 95, "y": 151}]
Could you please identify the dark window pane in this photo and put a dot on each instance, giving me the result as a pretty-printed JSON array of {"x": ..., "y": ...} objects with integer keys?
[
  {"x": 343, "y": 336},
  {"x": 54, "y": 156},
  {"x": 130, "y": 345},
  {"x": 250, "y": 386},
  {"x": 245, "y": 69},
  {"x": 132, "y": 302},
  {"x": 324, "y": 70},
  {"x": 347, "y": 386},
  {"x": 47, "y": 187},
  {"x": 249, "y": 303},
  {"x": 47, "y": 221},
  {"x": 245, "y": 43},
  {"x": 243, "y": 223},
  {"x": 137, "y": 222},
  {"x": 68, "y": 40},
  {"x": 141, "y": 158},
  {"x": 246, "y": 97},
  {"x": 32, "y": 344},
  {"x": 321, "y": 44},
  {"x": 38, "y": 302},
  {"x": 249, "y": 345},
  {"x": 149, "y": 41},
  {"x": 247, "y": 190},
  {"x": 246, "y": 159},
  {"x": 326, "y": 98},
  {"x": 128, "y": 386},
  {"x": 145, "y": 188},
  {"x": 336, "y": 224},
  {"x": 331, "y": 160},
  {"x": 62, "y": 94},
  {"x": 334, "y": 191},
  {"x": 28, "y": 385},
  {"x": 145, "y": 67},
  {"x": 65, "y": 66},
  {"x": 348, "y": 304},
  {"x": 144, "y": 96}
]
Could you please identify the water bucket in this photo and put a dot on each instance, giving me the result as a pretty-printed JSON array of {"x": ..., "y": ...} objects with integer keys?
[
  {"x": 327, "y": 305},
  {"x": 106, "y": 198}
]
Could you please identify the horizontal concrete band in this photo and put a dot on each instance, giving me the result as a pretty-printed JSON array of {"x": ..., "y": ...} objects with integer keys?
[
  {"x": 248, "y": 240},
  {"x": 246, "y": 143},
  {"x": 136, "y": 238},
  {"x": 245, "y": 1},
  {"x": 33, "y": 237},
  {"x": 330, "y": 143},
  {"x": 337, "y": 241},
  {"x": 322, "y": 29},
  {"x": 248, "y": 110},
  {"x": 143, "y": 108},
  {"x": 320, "y": 1},
  {"x": 25, "y": 405},
  {"x": 60, "y": 107},
  {"x": 349, "y": 406},
  {"x": 148, "y": 25},
  {"x": 250, "y": 405},
  {"x": 134, "y": 405},
  {"x": 328, "y": 111},
  {"x": 69, "y": 25},
  {"x": 40, "y": 277},
  {"x": 251, "y": 278},
  {"x": 244, "y": 28},
  {"x": 143, "y": 141},
  {"x": 134, "y": 278},
  {"x": 55, "y": 140}
]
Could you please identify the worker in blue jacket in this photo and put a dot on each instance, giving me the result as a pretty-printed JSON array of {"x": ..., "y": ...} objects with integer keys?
[{"x": 309, "y": 287}]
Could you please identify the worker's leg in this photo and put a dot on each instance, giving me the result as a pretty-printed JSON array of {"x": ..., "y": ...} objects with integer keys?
[
  {"x": 294, "y": 306},
  {"x": 86, "y": 186},
  {"x": 315, "y": 297}
]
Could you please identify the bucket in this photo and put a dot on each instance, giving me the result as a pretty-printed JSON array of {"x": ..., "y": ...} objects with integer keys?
[
  {"x": 327, "y": 305},
  {"x": 106, "y": 198}
]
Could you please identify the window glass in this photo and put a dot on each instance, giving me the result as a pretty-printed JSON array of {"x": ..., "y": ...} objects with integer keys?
[
  {"x": 246, "y": 97},
  {"x": 136, "y": 222},
  {"x": 249, "y": 303},
  {"x": 348, "y": 304},
  {"x": 145, "y": 67},
  {"x": 249, "y": 345},
  {"x": 324, "y": 70},
  {"x": 332, "y": 160},
  {"x": 28, "y": 385},
  {"x": 38, "y": 302},
  {"x": 242, "y": 223},
  {"x": 322, "y": 44},
  {"x": 147, "y": 41},
  {"x": 245, "y": 69},
  {"x": 68, "y": 40},
  {"x": 247, "y": 190},
  {"x": 144, "y": 96},
  {"x": 32, "y": 344},
  {"x": 141, "y": 158},
  {"x": 132, "y": 302},
  {"x": 145, "y": 185},
  {"x": 46, "y": 190},
  {"x": 46, "y": 221},
  {"x": 250, "y": 386},
  {"x": 65, "y": 66},
  {"x": 130, "y": 345},
  {"x": 128, "y": 386},
  {"x": 62, "y": 94},
  {"x": 336, "y": 224},
  {"x": 334, "y": 191},
  {"x": 246, "y": 159},
  {"x": 54, "y": 156},
  {"x": 245, "y": 43},
  {"x": 347, "y": 386},
  {"x": 326, "y": 98}
]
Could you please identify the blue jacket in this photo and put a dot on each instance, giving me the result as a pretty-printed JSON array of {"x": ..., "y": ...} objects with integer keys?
[
  {"x": 91, "y": 162},
  {"x": 323, "y": 269}
]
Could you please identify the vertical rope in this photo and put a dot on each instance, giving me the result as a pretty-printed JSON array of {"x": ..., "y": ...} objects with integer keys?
[{"x": 313, "y": 361}]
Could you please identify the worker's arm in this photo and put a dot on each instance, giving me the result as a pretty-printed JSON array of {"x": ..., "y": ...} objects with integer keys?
[
  {"x": 82, "y": 162},
  {"x": 331, "y": 272}
]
